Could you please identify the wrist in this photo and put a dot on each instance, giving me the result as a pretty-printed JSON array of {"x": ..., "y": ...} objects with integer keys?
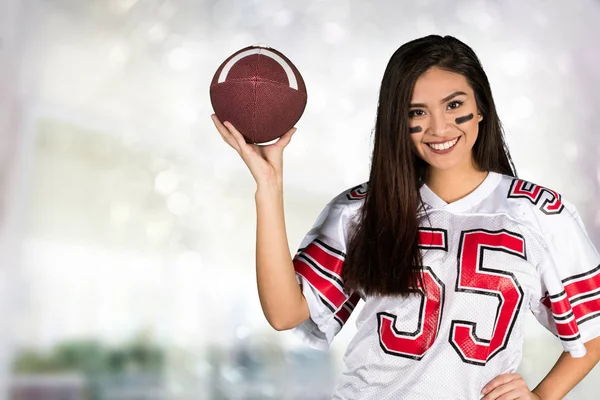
[{"x": 268, "y": 190}]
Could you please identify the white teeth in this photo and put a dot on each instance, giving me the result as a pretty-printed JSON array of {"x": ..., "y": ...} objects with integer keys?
[{"x": 443, "y": 146}]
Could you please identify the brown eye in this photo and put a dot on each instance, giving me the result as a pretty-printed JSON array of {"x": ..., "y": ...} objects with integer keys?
[
  {"x": 415, "y": 113},
  {"x": 454, "y": 105}
]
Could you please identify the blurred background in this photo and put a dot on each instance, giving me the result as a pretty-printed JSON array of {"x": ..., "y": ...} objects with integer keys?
[{"x": 127, "y": 225}]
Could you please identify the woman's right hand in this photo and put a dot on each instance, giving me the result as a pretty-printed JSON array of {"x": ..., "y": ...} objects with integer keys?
[{"x": 264, "y": 162}]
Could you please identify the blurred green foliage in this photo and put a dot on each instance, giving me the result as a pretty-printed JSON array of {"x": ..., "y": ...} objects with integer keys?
[{"x": 93, "y": 358}]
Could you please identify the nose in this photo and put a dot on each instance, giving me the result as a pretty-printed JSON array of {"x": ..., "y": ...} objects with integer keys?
[{"x": 438, "y": 124}]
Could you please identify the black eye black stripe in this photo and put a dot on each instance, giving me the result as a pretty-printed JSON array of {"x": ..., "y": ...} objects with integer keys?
[
  {"x": 459, "y": 120},
  {"x": 462, "y": 120}
]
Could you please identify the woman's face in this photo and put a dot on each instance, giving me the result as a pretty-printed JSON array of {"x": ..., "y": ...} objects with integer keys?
[{"x": 444, "y": 120}]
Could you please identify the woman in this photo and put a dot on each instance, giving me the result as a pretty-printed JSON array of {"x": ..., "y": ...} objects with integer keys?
[{"x": 447, "y": 248}]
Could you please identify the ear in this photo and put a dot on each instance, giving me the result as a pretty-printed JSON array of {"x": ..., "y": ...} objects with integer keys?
[{"x": 479, "y": 116}]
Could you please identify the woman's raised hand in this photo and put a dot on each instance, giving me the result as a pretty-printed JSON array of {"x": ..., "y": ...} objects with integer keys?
[{"x": 264, "y": 162}]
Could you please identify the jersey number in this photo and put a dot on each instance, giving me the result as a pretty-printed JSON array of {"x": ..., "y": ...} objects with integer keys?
[{"x": 473, "y": 277}]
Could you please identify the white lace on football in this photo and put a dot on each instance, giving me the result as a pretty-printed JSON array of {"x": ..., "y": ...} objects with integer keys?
[{"x": 286, "y": 67}]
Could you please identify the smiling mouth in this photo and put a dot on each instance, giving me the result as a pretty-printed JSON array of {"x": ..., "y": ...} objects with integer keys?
[{"x": 443, "y": 146}]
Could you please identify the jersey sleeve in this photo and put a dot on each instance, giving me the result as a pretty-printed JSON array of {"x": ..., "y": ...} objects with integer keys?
[
  {"x": 318, "y": 265},
  {"x": 570, "y": 273}
]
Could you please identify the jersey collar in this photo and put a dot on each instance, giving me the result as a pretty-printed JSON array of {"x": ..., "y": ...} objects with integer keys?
[{"x": 482, "y": 191}]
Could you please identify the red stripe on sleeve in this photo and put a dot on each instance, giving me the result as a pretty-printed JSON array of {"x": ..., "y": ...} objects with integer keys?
[
  {"x": 328, "y": 260},
  {"x": 323, "y": 285},
  {"x": 567, "y": 329},
  {"x": 343, "y": 314},
  {"x": 560, "y": 307},
  {"x": 581, "y": 287},
  {"x": 589, "y": 284},
  {"x": 586, "y": 308}
]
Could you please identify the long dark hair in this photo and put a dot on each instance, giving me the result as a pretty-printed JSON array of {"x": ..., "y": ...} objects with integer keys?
[{"x": 383, "y": 257}]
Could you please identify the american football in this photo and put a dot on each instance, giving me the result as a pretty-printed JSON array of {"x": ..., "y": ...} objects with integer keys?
[{"x": 260, "y": 92}]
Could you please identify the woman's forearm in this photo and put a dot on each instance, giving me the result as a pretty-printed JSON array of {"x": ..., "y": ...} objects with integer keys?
[
  {"x": 568, "y": 372},
  {"x": 280, "y": 295}
]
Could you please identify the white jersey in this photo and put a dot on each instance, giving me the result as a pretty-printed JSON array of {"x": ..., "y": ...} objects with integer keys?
[{"x": 507, "y": 248}]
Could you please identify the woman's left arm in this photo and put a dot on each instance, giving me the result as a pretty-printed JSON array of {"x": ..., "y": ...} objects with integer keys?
[
  {"x": 568, "y": 372},
  {"x": 564, "y": 375}
]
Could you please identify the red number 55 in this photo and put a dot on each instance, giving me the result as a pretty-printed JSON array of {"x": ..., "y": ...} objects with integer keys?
[{"x": 473, "y": 277}]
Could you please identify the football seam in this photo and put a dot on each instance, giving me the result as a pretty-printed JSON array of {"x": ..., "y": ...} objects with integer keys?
[
  {"x": 254, "y": 100},
  {"x": 254, "y": 104}
]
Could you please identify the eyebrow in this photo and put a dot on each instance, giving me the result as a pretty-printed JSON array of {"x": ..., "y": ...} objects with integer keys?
[{"x": 445, "y": 99}]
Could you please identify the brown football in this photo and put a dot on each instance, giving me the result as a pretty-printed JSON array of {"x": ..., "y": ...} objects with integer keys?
[{"x": 260, "y": 92}]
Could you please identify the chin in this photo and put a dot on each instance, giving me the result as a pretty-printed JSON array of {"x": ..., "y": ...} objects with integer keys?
[{"x": 443, "y": 166}]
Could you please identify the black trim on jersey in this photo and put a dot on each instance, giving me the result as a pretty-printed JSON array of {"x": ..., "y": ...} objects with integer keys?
[
  {"x": 394, "y": 318},
  {"x": 511, "y": 192},
  {"x": 360, "y": 194},
  {"x": 529, "y": 187},
  {"x": 557, "y": 295},
  {"x": 569, "y": 339},
  {"x": 321, "y": 269},
  {"x": 319, "y": 294},
  {"x": 581, "y": 275},
  {"x": 349, "y": 305},
  {"x": 322, "y": 243},
  {"x": 474, "y": 325},
  {"x": 331, "y": 249},
  {"x": 339, "y": 321},
  {"x": 346, "y": 305},
  {"x": 479, "y": 267},
  {"x": 556, "y": 197},
  {"x": 445, "y": 235},
  {"x": 567, "y": 316},
  {"x": 302, "y": 255},
  {"x": 420, "y": 322},
  {"x": 572, "y": 300},
  {"x": 590, "y": 316},
  {"x": 326, "y": 302},
  {"x": 584, "y": 296}
]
